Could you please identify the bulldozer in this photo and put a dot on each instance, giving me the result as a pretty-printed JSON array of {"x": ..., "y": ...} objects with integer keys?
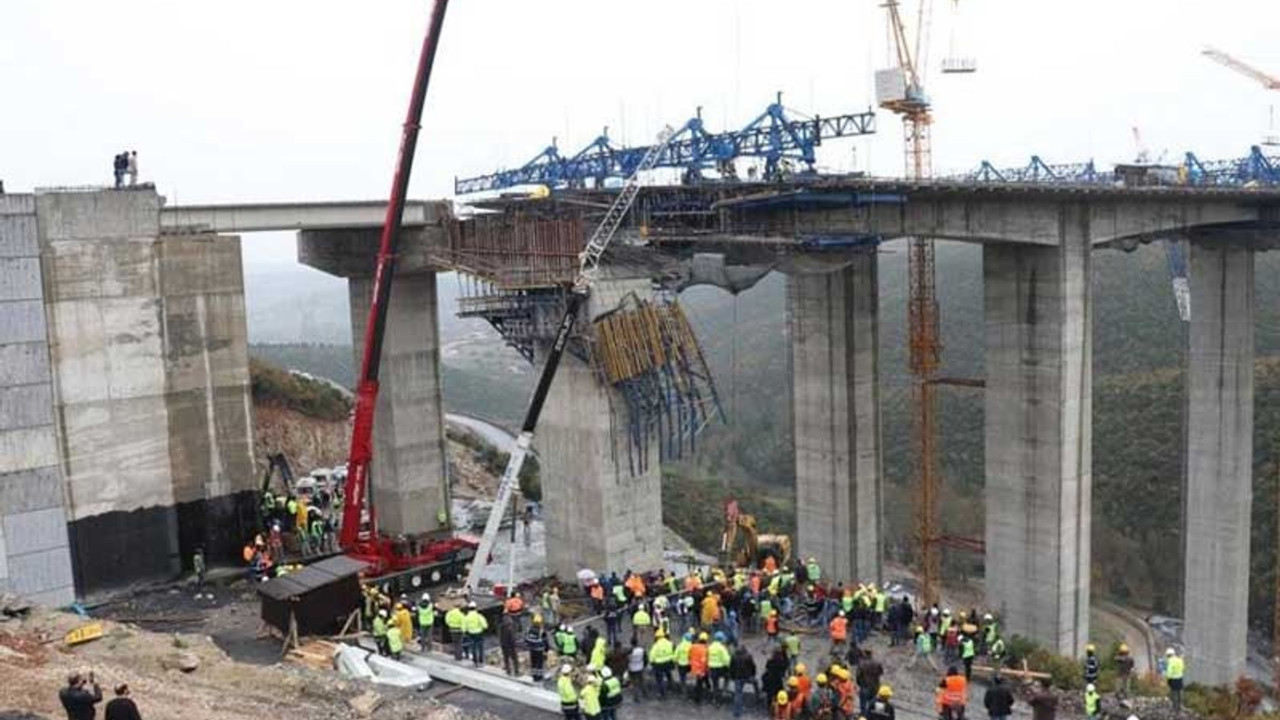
[{"x": 742, "y": 545}]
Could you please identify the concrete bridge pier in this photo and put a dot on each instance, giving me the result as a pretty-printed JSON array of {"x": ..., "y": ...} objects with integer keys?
[
  {"x": 598, "y": 515},
  {"x": 835, "y": 404},
  {"x": 1038, "y": 316},
  {"x": 1219, "y": 490},
  {"x": 409, "y": 473}
]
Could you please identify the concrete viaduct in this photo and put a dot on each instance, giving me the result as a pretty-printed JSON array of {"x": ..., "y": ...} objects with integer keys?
[{"x": 1038, "y": 245}]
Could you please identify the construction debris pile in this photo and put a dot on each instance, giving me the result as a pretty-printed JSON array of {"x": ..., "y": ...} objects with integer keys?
[{"x": 648, "y": 352}]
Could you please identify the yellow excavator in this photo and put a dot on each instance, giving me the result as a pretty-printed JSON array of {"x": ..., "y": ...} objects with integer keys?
[{"x": 742, "y": 545}]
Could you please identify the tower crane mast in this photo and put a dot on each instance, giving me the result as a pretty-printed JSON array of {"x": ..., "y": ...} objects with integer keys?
[{"x": 901, "y": 90}]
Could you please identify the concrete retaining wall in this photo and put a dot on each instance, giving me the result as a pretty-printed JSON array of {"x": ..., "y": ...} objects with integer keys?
[{"x": 34, "y": 557}]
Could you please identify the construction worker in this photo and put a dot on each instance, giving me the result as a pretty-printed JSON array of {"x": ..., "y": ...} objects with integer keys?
[
  {"x": 475, "y": 626},
  {"x": 1091, "y": 665},
  {"x": 996, "y": 653},
  {"x": 823, "y": 701},
  {"x": 803, "y": 683},
  {"x": 1174, "y": 669},
  {"x": 781, "y": 708},
  {"x": 611, "y": 691},
  {"x": 642, "y": 625},
  {"x": 813, "y": 571},
  {"x": 968, "y": 650},
  {"x": 535, "y": 641},
  {"x": 683, "y": 650},
  {"x": 1092, "y": 701},
  {"x": 589, "y": 696},
  {"x": 698, "y": 667},
  {"x": 955, "y": 694},
  {"x": 771, "y": 625},
  {"x": 710, "y": 614},
  {"x": 380, "y": 631},
  {"x": 1124, "y": 670},
  {"x": 566, "y": 642},
  {"x": 568, "y": 693},
  {"x": 792, "y": 646},
  {"x": 924, "y": 649},
  {"x": 508, "y": 635},
  {"x": 395, "y": 641},
  {"x": 403, "y": 620},
  {"x": 718, "y": 663},
  {"x": 426, "y": 621},
  {"x": 662, "y": 657},
  {"x": 881, "y": 708},
  {"x": 454, "y": 620},
  {"x": 839, "y": 628},
  {"x": 599, "y": 653},
  {"x": 990, "y": 632},
  {"x": 318, "y": 528},
  {"x": 842, "y": 682},
  {"x": 798, "y": 697}
]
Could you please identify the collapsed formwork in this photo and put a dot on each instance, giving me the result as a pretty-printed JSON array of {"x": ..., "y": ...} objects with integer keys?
[{"x": 648, "y": 352}]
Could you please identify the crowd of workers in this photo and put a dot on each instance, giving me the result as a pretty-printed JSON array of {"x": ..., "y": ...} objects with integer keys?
[
  {"x": 662, "y": 636},
  {"x": 293, "y": 525}
]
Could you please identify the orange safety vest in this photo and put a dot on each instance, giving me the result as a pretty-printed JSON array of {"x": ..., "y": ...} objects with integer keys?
[
  {"x": 839, "y": 629},
  {"x": 956, "y": 690},
  {"x": 698, "y": 659},
  {"x": 783, "y": 711},
  {"x": 515, "y": 605},
  {"x": 692, "y": 583},
  {"x": 797, "y": 704},
  {"x": 805, "y": 686},
  {"x": 636, "y": 585},
  {"x": 845, "y": 690}
]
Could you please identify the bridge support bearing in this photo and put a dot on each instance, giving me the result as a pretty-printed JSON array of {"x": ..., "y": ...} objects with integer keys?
[
  {"x": 1039, "y": 427},
  {"x": 598, "y": 515},
  {"x": 833, "y": 322},
  {"x": 1219, "y": 488}
]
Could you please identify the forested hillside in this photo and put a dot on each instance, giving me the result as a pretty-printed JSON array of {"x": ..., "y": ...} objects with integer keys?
[{"x": 1137, "y": 465}]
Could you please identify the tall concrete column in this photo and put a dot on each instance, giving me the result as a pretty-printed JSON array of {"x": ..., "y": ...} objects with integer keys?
[
  {"x": 409, "y": 472},
  {"x": 598, "y": 515},
  {"x": 1038, "y": 435},
  {"x": 835, "y": 407},
  {"x": 409, "y": 469},
  {"x": 1219, "y": 488}
]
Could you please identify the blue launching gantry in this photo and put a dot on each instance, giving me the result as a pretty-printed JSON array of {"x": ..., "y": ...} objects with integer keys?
[{"x": 775, "y": 136}]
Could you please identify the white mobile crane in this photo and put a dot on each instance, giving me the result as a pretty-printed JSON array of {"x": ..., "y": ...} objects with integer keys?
[{"x": 588, "y": 267}]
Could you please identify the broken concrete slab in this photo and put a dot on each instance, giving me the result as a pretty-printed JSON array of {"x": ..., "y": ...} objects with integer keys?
[
  {"x": 353, "y": 662},
  {"x": 491, "y": 682},
  {"x": 397, "y": 674}
]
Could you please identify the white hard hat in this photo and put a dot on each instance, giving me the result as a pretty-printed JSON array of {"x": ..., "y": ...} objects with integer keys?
[
  {"x": 987, "y": 617},
  {"x": 383, "y": 613},
  {"x": 426, "y": 597},
  {"x": 946, "y": 611},
  {"x": 606, "y": 673},
  {"x": 566, "y": 669},
  {"x": 1170, "y": 652},
  {"x": 1090, "y": 688},
  {"x": 471, "y": 606}
]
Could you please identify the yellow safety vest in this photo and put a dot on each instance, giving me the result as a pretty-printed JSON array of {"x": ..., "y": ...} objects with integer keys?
[
  {"x": 568, "y": 695},
  {"x": 662, "y": 652},
  {"x": 475, "y": 623},
  {"x": 1174, "y": 668},
  {"x": 454, "y": 619}
]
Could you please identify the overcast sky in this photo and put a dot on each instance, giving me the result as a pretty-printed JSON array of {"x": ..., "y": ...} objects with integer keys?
[{"x": 258, "y": 100}]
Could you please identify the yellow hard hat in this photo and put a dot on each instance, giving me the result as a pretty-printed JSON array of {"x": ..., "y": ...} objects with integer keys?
[
  {"x": 793, "y": 682},
  {"x": 841, "y": 673},
  {"x": 822, "y": 678},
  {"x": 885, "y": 692},
  {"x": 537, "y": 619},
  {"x": 782, "y": 698},
  {"x": 800, "y": 668},
  {"x": 659, "y": 633},
  {"x": 1089, "y": 648},
  {"x": 702, "y": 636},
  {"x": 1124, "y": 648}
]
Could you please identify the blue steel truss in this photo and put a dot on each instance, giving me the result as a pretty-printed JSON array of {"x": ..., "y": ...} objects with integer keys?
[
  {"x": 774, "y": 135},
  {"x": 1253, "y": 169}
]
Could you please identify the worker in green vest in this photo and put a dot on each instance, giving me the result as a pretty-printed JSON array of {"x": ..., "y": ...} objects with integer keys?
[
  {"x": 568, "y": 693},
  {"x": 718, "y": 663},
  {"x": 682, "y": 657},
  {"x": 566, "y": 642},
  {"x": 968, "y": 649},
  {"x": 380, "y": 631},
  {"x": 1092, "y": 701},
  {"x": 611, "y": 694},
  {"x": 599, "y": 653},
  {"x": 813, "y": 570},
  {"x": 590, "y": 698},
  {"x": 792, "y": 645},
  {"x": 641, "y": 624},
  {"x": 924, "y": 649},
  {"x": 661, "y": 657},
  {"x": 1174, "y": 669},
  {"x": 395, "y": 643},
  {"x": 475, "y": 626},
  {"x": 318, "y": 529},
  {"x": 426, "y": 621},
  {"x": 453, "y": 621},
  {"x": 882, "y": 600}
]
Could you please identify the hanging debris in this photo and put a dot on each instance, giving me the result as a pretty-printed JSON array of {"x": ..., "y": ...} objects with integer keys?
[{"x": 648, "y": 352}]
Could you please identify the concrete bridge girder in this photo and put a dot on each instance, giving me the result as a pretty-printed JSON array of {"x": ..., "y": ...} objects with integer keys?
[{"x": 1025, "y": 222}]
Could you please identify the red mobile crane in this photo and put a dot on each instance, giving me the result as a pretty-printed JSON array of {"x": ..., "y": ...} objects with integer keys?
[{"x": 359, "y": 538}]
